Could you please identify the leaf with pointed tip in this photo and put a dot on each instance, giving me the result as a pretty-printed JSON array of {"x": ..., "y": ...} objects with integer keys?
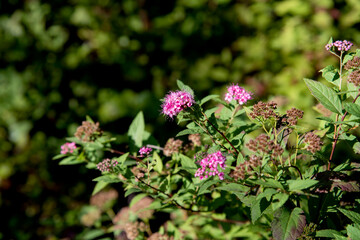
[
  {"x": 288, "y": 225},
  {"x": 353, "y": 109},
  {"x": 184, "y": 87},
  {"x": 325, "y": 95},
  {"x": 354, "y": 216},
  {"x": 331, "y": 74},
  {"x": 136, "y": 129}
]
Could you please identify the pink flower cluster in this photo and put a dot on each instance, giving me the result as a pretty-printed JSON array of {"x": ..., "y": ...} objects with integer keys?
[
  {"x": 209, "y": 166},
  {"x": 175, "y": 102},
  {"x": 237, "y": 93},
  {"x": 339, "y": 45},
  {"x": 68, "y": 148},
  {"x": 145, "y": 151},
  {"x": 106, "y": 165}
]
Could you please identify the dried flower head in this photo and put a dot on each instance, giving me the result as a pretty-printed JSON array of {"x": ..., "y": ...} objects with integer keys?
[
  {"x": 292, "y": 116},
  {"x": 354, "y": 77},
  {"x": 139, "y": 208},
  {"x": 68, "y": 148},
  {"x": 101, "y": 198},
  {"x": 131, "y": 230},
  {"x": 88, "y": 131},
  {"x": 339, "y": 45},
  {"x": 175, "y": 102},
  {"x": 195, "y": 139},
  {"x": 237, "y": 93},
  {"x": 353, "y": 63},
  {"x": 313, "y": 143},
  {"x": 264, "y": 110},
  {"x": 263, "y": 144},
  {"x": 107, "y": 165},
  {"x": 144, "y": 151},
  {"x": 172, "y": 146},
  {"x": 209, "y": 166},
  {"x": 323, "y": 110},
  {"x": 90, "y": 218},
  {"x": 158, "y": 236}
]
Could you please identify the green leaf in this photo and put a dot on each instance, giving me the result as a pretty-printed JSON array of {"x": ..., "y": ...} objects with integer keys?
[
  {"x": 258, "y": 208},
  {"x": 206, "y": 184},
  {"x": 159, "y": 164},
  {"x": 325, "y": 95},
  {"x": 188, "y": 164},
  {"x": 353, "y": 109},
  {"x": 207, "y": 98},
  {"x": 122, "y": 158},
  {"x": 328, "y": 233},
  {"x": 353, "y": 232},
  {"x": 234, "y": 187},
  {"x": 136, "y": 129},
  {"x": 356, "y": 147},
  {"x": 288, "y": 225},
  {"x": 107, "y": 178},
  {"x": 331, "y": 74},
  {"x": 99, "y": 186},
  {"x": 131, "y": 190},
  {"x": 354, "y": 216},
  {"x": 296, "y": 185},
  {"x": 92, "y": 234},
  {"x": 71, "y": 160},
  {"x": 189, "y": 131},
  {"x": 137, "y": 198},
  {"x": 279, "y": 200},
  {"x": 184, "y": 87},
  {"x": 269, "y": 183}
]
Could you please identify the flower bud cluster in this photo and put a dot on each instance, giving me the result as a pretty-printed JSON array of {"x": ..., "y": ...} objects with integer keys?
[
  {"x": 354, "y": 77},
  {"x": 264, "y": 110},
  {"x": 175, "y": 102},
  {"x": 158, "y": 236},
  {"x": 263, "y": 144},
  {"x": 246, "y": 168},
  {"x": 68, "y": 148},
  {"x": 133, "y": 229},
  {"x": 107, "y": 165},
  {"x": 313, "y": 143},
  {"x": 292, "y": 116},
  {"x": 209, "y": 166},
  {"x": 139, "y": 172},
  {"x": 353, "y": 63},
  {"x": 237, "y": 93},
  {"x": 172, "y": 146},
  {"x": 101, "y": 198},
  {"x": 195, "y": 139},
  {"x": 144, "y": 151},
  {"x": 87, "y": 131},
  {"x": 339, "y": 45}
]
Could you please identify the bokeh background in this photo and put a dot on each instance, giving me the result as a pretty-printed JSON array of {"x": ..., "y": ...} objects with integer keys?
[{"x": 108, "y": 59}]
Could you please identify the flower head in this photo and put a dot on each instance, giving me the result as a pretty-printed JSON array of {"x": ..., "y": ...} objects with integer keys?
[
  {"x": 68, "y": 148},
  {"x": 106, "y": 165},
  {"x": 175, "y": 102},
  {"x": 145, "y": 151},
  {"x": 339, "y": 45},
  {"x": 237, "y": 93},
  {"x": 209, "y": 166}
]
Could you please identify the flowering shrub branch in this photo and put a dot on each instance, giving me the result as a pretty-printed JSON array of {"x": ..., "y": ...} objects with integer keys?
[{"x": 240, "y": 166}]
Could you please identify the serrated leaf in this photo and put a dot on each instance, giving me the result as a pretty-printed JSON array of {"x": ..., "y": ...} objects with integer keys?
[
  {"x": 188, "y": 164},
  {"x": 356, "y": 147},
  {"x": 234, "y": 187},
  {"x": 331, "y": 74},
  {"x": 258, "y": 208},
  {"x": 329, "y": 233},
  {"x": 99, "y": 186},
  {"x": 136, "y": 129},
  {"x": 281, "y": 197},
  {"x": 288, "y": 225},
  {"x": 107, "y": 178},
  {"x": 270, "y": 183},
  {"x": 207, "y": 98},
  {"x": 184, "y": 87},
  {"x": 131, "y": 190},
  {"x": 353, "y": 232},
  {"x": 325, "y": 95},
  {"x": 159, "y": 164},
  {"x": 353, "y": 109},
  {"x": 205, "y": 186},
  {"x": 189, "y": 131},
  {"x": 297, "y": 185},
  {"x": 354, "y": 216}
]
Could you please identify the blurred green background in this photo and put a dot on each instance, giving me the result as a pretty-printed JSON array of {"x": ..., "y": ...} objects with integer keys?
[{"x": 63, "y": 60}]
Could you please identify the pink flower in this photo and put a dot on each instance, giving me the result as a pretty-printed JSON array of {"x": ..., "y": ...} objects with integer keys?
[
  {"x": 237, "y": 93},
  {"x": 106, "y": 165},
  {"x": 145, "y": 151},
  {"x": 68, "y": 148},
  {"x": 209, "y": 166},
  {"x": 339, "y": 45},
  {"x": 175, "y": 102}
]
